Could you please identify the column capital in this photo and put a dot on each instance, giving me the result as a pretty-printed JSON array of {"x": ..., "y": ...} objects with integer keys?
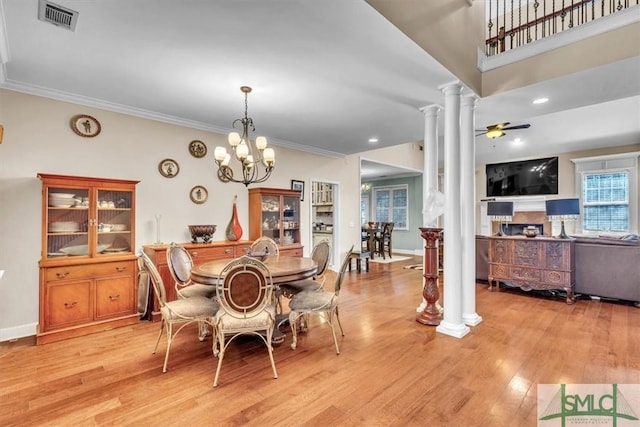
[
  {"x": 430, "y": 110},
  {"x": 469, "y": 100},
  {"x": 454, "y": 87}
]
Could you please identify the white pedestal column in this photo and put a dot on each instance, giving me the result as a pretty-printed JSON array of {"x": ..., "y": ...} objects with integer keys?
[
  {"x": 430, "y": 175},
  {"x": 452, "y": 323},
  {"x": 468, "y": 197}
]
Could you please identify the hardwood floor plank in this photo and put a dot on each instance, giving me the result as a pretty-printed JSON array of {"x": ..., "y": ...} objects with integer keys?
[{"x": 391, "y": 371}]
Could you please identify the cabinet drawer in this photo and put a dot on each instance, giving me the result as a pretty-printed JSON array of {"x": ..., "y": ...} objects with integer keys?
[
  {"x": 524, "y": 273},
  {"x": 499, "y": 271},
  {"x": 89, "y": 270},
  {"x": 293, "y": 252},
  {"x": 201, "y": 255},
  {"x": 114, "y": 296},
  {"x": 241, "y": 250},
  {"x": 69, "y": 304},
  {"x": 554, "y": 277}
]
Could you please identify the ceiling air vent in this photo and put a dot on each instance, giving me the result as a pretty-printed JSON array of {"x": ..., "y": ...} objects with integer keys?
[{"x": 57, "y": 15}]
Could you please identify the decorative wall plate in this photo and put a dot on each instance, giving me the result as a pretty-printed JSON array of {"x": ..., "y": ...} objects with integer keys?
[
  {"x": 198, "y": 194},
  {"x": 197, "y": 148},
  {"x": 168, "y": 168},
  {"x": 85, "y": 125}
]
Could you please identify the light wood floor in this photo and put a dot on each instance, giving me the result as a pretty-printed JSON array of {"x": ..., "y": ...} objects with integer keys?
[{"x": 391, "y": 369}]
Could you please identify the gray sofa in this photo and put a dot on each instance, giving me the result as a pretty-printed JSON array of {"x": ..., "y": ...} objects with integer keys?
[{"x": 608, "y": 268}]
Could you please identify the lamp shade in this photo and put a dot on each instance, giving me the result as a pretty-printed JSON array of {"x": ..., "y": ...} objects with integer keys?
[
  {"x": 500, "y": 208},
  {"x": 563, "y": 207}
]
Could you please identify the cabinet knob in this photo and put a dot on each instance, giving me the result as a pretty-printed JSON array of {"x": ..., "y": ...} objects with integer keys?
[
  {"x": 70, "y": 304},
  {"x": 227, "y": 251},
  {"x": 114, "y": 297},
  {"x": 194, "y": 254},
  {"x": 62, "y": 275},
  {"x": 121, "y": 269}
]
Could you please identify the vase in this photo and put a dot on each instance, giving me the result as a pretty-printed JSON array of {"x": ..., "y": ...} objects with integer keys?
[{"x": 234, "y": 229}]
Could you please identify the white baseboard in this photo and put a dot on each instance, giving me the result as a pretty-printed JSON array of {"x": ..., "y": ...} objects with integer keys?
[
  {"x": 411, "y": 252},
  {"x": 16, "y": 332}
]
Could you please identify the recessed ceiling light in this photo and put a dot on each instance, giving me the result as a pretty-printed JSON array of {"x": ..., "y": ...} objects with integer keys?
[
  {"x": 540, "y": 100},
  {"x": 373, "y": 140},
  {"x": 517, "y": 141}
]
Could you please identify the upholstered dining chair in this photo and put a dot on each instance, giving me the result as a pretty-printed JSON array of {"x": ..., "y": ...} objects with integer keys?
[
  {"x": 180, "y": 312},
  {"x": 247, "y": 306},
  {"x": 323, "y": 303},
  {"x": 320, "y": 255},
  {"x": 180, "y": 264},
  {"x": 265, "y": 245}
]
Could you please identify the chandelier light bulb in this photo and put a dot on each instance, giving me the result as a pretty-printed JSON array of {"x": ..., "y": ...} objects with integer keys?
[
  {"x": 234, "y": 139},
  {"x": 261, "y": 143},
  {"x": 269, "y": 156},
  {"x": 242, "y": 150},
  {"x": 227, "y": 159},
  {"x": 220, "y": 153}
]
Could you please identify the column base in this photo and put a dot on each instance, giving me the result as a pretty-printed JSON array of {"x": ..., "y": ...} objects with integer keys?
[
  {"x": 458, "y": 330},
  {"x": 422, "y": 306},
  {"x": 471, "y": 319}
]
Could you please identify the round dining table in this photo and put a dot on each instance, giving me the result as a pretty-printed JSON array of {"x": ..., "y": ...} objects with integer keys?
[{"x": 283, "y": 270}]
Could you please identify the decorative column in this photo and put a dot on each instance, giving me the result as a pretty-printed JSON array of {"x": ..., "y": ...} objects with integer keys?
[
  {"x": 431, "y": 314},
  {"x": 452, "y": 300},
  {"x": 468, "y": 196},
  {"x": 430, "y": 175}
]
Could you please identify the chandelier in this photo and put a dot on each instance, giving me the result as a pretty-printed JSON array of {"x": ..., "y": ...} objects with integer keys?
[{"x": 252, "y": 159}]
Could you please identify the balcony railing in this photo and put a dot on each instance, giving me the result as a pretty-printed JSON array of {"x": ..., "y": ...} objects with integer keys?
[{"x": 525, "y": 21}]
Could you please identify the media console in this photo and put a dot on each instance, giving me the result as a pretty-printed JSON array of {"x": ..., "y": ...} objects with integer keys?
[{"x": 540, "y": 263}]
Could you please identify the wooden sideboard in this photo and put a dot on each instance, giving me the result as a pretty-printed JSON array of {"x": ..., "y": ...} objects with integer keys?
[
  {"x": 540, "y": 263},
  {"x": 200, "y": 253}
]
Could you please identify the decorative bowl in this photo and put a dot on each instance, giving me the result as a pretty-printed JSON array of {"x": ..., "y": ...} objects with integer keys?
[
  {"x": 204, "y": 232},
  {"x": 530, "y": 232}
]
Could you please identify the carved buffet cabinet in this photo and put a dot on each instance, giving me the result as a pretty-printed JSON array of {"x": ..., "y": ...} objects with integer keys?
[
  {"x": 540, "y": 263},
  {"x": 88, "y": 265},
  {"x": 275, "y": 213},
  {"x": 200, "y": 253}
]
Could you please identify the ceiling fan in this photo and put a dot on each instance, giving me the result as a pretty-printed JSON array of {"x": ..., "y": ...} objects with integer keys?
[{"x": 497, "y": 130}]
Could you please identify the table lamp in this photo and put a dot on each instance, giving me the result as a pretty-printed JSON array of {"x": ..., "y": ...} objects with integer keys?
[
  {"x": 563, "y": 210},
  {"x": 500, "y": 211}
]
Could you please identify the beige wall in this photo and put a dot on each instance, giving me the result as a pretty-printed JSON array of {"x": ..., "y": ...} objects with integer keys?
[
  {"x": 450, "y": 31},
  {"x": 38, "y": 138},
  {"x": 566, "y": 174},
  {"x": 611, "y": 46}
]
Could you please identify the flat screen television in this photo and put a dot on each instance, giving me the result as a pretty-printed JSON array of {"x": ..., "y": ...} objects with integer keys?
[{"x": 523, "y": 178}]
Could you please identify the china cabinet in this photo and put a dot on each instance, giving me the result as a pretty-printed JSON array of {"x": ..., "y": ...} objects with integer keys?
[
  {"x": 87, "y": 266},
  {"x": 275, "y": 213},
  {"x": 200, "y": 253}
]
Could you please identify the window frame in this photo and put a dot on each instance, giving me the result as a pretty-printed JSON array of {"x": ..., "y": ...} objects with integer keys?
[
  {"x": 623, "y": 162},
  {"x": 391, "y": 188}
]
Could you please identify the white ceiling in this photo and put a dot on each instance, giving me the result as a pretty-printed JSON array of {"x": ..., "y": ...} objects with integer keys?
[{"x": 326, "y": 75}]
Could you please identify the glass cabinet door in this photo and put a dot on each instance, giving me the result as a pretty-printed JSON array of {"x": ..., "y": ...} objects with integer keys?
[
  {"x": 67, "y": 221},
  {"x": 271, "y": 217},
  {"x": 113, "y": 221},
  {"x": 290, "y": 220}
]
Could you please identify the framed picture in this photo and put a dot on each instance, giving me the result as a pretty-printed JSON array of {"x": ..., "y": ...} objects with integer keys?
[
  {"x": 197, "y": 149},
  {"x": 198, "y": 194},
  {"x": 168, "y": 168},
  {"x": 299, "y": 186},
  {"x": 85, "y": 126}
]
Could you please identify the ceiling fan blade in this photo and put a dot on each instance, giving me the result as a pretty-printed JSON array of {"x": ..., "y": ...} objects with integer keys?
[
  {"x": 500, "y": 125},
  {"x": 525, "y": 126},
  {"x": 483, "y": 133}
]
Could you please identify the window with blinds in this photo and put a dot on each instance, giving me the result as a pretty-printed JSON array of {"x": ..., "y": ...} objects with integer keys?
[
  {"x": 605, "y": 199},
  {"x": 392, "y": 205}
]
